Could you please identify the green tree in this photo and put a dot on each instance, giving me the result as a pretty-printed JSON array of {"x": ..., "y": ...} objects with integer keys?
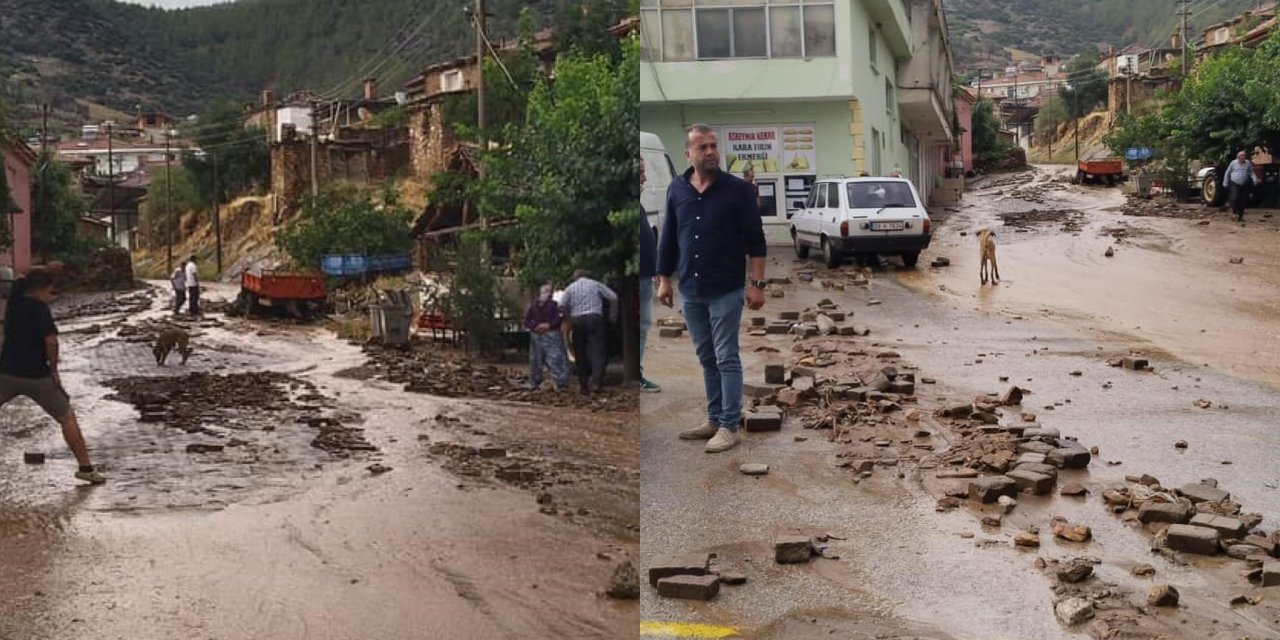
[
  {"x": 241, "y": 153},
  {"x": 987, "y": 146},
  {"x": 344, "y": 221},
  {"x": 1087, "y": 88},
  {"x": 582, "y": 26},
  {"x": 508, "y": 80},
  {"x": 7, "y": 203},
  {"x": 57, "y": 207},
  {"x": 570, "y": 173},
  {"x": 475, "y": 299},
  {"x": 178, "y": 196},
  {"x": 1051, "y": 115}
]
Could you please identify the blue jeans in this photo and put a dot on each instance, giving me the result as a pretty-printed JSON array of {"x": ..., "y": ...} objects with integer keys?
[
  {"x": 646, "y": 316},
  {"x": 548, "y": 348},
  {"x": 713, "y": 325}
]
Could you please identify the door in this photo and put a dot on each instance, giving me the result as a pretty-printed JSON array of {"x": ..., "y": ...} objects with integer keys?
[
  {"x": 809, "y": 220},
  {"x": 768, "y": 199}
]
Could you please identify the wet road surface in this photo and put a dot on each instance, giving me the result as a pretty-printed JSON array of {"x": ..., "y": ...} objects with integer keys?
[
  {"x": 275, "y": 538},
  {"x": 906, "y": 571}
]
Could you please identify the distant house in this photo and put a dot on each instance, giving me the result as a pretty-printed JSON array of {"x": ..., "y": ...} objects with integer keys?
[
  {"x": 1248, "y": 29},
  {"x": 19, "y": 161}
]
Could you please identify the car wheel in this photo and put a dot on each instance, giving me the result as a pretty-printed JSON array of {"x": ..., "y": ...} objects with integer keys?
[
  {"x": 831, "y": 255},
  {"x": 910, "y": 258},
  {"x": 802, "y": 250}
]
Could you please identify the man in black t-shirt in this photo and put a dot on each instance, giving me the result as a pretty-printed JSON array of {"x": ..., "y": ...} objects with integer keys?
[{"x": 29, "y": 362}]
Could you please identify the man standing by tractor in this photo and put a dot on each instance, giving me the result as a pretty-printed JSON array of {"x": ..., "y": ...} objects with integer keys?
[{"x": 1237, "y": 179}]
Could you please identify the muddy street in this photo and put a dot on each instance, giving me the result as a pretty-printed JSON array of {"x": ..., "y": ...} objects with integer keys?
[
  {"x": 282, "y": 485},
  {"x": 879, "y": 483}
]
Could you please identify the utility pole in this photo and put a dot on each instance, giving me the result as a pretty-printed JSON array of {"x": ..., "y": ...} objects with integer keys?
[
  {"x": 42, "y": 169},
  {"x": 217, "y": 225},
  {"x": 315, "y": 143},
  {"x": 111, "y": 182},
  {"x": 168, "y": 201},
  {"x": 481, "y": 120},
  {"x": 1185, "y": 11},
  {"x": 1075, "y": 93}
]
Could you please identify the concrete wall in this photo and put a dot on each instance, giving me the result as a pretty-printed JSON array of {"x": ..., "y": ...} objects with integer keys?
[{"x": 18, "y": 174}]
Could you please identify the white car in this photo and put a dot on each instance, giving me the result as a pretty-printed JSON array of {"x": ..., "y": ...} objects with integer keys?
[{"x": 863, "y": 217}]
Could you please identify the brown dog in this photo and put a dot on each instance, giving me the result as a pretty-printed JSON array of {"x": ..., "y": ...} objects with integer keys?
[
  {"x": 987, "y": 250},
  {"x": 167, "y": 341}
]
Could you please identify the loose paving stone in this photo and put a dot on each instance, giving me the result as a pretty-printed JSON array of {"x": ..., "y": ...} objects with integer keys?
[
  {"x": 758, "y": 321},
  {"x": 757, "y": 421},
  {"x": 1073, "y": 489},
  {"x": 902, "y": 387},
  {"x": 754, "y": 469},
  {"x": 1181, "y": 444},
  {"x": 1162, "y": 595},
  {"x": 990, "y": 488},
  {"x": 1143, "y": 571},
  {"x": 957, "y": 473},
  {"x": 1227, "y": 527},
  {"x": 693, "y": 564},
  {"x": 1243, "y": 551},
  {"x": 1134, "y": 364},
  {"x": 1029, "y": 457},
  {"x": 625, "y": 583},
  {"x": 1198, "y": 492},
  {"x": 760, "y": 390},
  {"x": 670, "y": 332},
  {"x": 1031, "y": 482},
  {"x": 1026, "y": 539},
  {"x": 1042, "y": 469},
  {"x": 1069, "y": 457},
  {"x": 1011, "y": 397},
  {"x": 792, "y": 549},
  {"x": 1270, "y": 574},
  {"x": 838, "y": 316},
  {"x": 789, "y": 315},
  {"x": 1042, "y": 448},
  {"x": 1041, "y": 432},
  {"x": 789, "y": 397},
  {"x": 1007, "y": 502},
  {"x": 1073, "y": 611},
  {"x": 33, "y": 457},
  {"x": 1162, "y": 512},
  {"x": 733, "y": 578},
  {"x": 1267, "y": 545},
  {"x": 703, "y": 587},
  {"x": 1072, "y": 532},
  {"x": 775, "y": 374},
  {"x": 1074, "y": 572},
  {"x": 1184, "y": 537}
]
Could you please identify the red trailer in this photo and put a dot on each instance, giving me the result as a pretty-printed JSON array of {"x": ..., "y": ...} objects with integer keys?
[
  {"x": 302, "y": 294},
  {"x": 1109, "y": 169}
]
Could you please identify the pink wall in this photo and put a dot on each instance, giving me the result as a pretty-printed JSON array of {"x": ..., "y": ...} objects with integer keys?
[
  {"x": 964, "y": 113},
  {"x": 18, "y": 173}
]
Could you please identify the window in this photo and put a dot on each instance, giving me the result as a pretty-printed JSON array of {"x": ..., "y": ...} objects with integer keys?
[
  {"x": 889, "y": 102},
  {"x": 874, "y": 45},
  {"x": 833, "y": 195},
  {"x": 680, "y": 30},
  {"x": 875, "y": 152},
  {"x": 451, "y": 81},
  {"x": 820, "y": 200},
  {"x": 868, "y": 195},
  {"x": 820, "y": 31},
  {"x": 812, "y": 201}
]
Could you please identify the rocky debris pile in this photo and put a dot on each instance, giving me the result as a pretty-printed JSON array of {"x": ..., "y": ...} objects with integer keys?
[
  {"x": 1164, "y": 208},
  {"x": 1072, "y": 220},
  {"x": 103, "y": 304},
  {"x": 1020, "y": 178},
  {"x": 256, "y": 401},
  {"x": 447, "y": 372}
]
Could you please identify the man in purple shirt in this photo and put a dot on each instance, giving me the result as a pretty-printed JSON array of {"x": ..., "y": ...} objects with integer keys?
[{"x": 546, "y": 348}]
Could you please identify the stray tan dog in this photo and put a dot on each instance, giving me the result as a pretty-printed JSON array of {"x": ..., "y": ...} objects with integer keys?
[
  {"x": 987, "y": 249},
  {"x": 167, "y": 341}
]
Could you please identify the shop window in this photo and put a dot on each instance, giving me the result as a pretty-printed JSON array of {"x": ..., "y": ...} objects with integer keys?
[{"x": 819, "y": 31}]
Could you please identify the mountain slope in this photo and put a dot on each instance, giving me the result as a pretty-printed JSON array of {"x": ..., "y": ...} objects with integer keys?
[
  {"x": 990, "y": 32},
  {"x": 126, "y": 56}
]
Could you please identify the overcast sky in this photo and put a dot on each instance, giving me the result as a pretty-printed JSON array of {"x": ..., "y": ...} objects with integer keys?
[{"x": 174, "y": 4}]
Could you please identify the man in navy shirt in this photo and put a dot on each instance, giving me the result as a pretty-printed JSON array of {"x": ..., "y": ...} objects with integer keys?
[{"x": 712, "y": 226}]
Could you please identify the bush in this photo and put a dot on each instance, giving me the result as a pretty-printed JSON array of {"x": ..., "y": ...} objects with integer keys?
[
  {"x": 475, "y": 300},
  {"x": 343, "y": 221}
]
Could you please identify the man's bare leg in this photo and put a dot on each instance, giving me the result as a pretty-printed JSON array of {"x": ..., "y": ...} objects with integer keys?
[{"x": 75, "y": 439}]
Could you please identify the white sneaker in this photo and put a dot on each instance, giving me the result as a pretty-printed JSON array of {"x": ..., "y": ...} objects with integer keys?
[
  {"x": 724, "y": 440},
  {"x": 703, "y": 432}
]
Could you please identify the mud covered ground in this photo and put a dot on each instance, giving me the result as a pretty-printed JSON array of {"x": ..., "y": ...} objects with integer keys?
[{"x": 263, "y": 490}]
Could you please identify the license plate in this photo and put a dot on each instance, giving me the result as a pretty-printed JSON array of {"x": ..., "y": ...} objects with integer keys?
[{"x": 886, "y": 226}]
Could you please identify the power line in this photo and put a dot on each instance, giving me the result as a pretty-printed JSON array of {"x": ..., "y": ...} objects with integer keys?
[{"x": 405, "y": 33}]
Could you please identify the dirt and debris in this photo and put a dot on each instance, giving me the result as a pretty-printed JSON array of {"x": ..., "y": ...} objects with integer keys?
[{"x": 1072, "y": 221}]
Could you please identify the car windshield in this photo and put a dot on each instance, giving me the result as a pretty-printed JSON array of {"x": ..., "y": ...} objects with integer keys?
[{"x": 873, "y": 195}]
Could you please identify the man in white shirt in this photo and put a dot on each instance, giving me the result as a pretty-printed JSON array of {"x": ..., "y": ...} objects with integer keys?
[
  {"x": 1237, "y": 179},
  {"x": 193, "y": 287},
  {"x": 179, "y": 280}
]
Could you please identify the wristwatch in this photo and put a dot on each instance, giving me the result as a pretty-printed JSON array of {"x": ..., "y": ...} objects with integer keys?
[{"x": 760, "y": 284}]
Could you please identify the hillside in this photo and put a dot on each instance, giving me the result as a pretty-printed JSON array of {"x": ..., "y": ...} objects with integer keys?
[
  {"x": 79, "y": 54},
  {"x": 989, "y": 33}
]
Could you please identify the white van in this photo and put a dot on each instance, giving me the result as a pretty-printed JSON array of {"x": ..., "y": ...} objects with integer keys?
[{"x": 658, "y": 172}]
